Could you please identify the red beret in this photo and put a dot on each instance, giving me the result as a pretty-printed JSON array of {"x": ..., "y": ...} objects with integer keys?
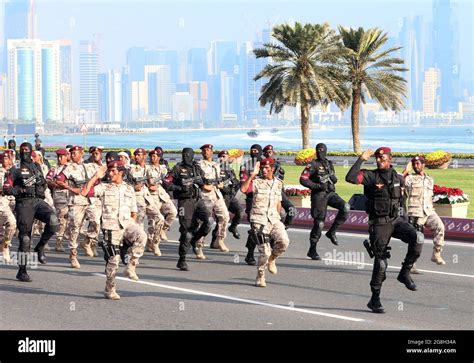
[
  {"x": 75, "y": 148},
  {"x": 222, "y": 153},
  {"x": 94, "y": 148},
  {"x": 383, "y": 150},
  {"x": 154, "y": 152},
  {"x": 267, "y": 161},
  {"x": 115, "y": 164},
  {"x": 268, "y": 147},
  {"x": 61, "y": 152},
  {"x": 206, "y": 146},
  {"x": 139, "y": 150},
  {"x": 33, "y": 154},
  {"x": 9, "y": 152},
  {"x": 420, "y": 158}
]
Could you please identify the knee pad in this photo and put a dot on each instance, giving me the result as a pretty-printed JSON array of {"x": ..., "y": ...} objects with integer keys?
[
  {"x": 53, "y": 223},
  {"x": 420, "y": 237},
  {"x": 347, "y": 208},
  {"x": 25, "y": 242},
  {"x": 321, "y": 225}
]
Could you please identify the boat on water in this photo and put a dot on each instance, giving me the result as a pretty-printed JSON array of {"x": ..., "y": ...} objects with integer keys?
[
  {"x": 274, "y": 130},
  {"x": 252, "y": 133}
]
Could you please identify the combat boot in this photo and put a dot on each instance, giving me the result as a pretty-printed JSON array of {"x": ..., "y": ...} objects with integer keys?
[
  {"x": 221, "y": 245},
  {"x": 374, "y": 304},
  {"x": 436, "y": 257},
  {"x": 46, "y": 247},
  {"x": 405, "y": 278},
  {"x": 331, "y": 234},
  {"x": 156, "y": 249},
  {"x": 250, "y": 259},
  {"x": 272, "y": 268},
  {"x": 73, "y": 259},
  {"x": 214, "y": 245},
  {"x": 94, "y": 250},
  {"x": 59, "y": 245},
  {"x": 182, "y": 265},
  {"x": 6, "y": 251},
  {"x": 39, "y": 249},
  {"x": 130, "y": 270},
  {"x": 312, "y": 253},
  {"x": 233, "y": 229},
  {"x": 112, "y": 295},
  {"x": 86, "y": 246},
  {"x": 415, "y": 271},
  {"x": 22, "y": 275},
  {"x": 199, "y": 254},
  {"x": 260, "y": 282},
  {"x": 149, "y": 246},
  {"x": 163, "y": 236}
]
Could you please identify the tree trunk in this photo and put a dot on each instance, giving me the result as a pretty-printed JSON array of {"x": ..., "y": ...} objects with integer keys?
[
  {"x": 355, "y": 119},
  {"x": 305, "y": 125}
]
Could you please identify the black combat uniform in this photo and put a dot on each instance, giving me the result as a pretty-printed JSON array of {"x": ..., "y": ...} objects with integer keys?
[
  {"x": 28, "y": 185},
  {"x": 319, "y": 176},
  {"x": 383, "y": 189}
]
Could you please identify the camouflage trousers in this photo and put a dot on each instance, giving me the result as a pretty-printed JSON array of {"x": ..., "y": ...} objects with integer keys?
[
  {"x": 436, "y": 226},
  {"x": 217, "y": 206},
  {"x": 155, "y": 220},
  {"x": 76, "y": 216},
  {"x": 62, "y": 210},
  {"x": 278, "y": 234},
  {"x": 134, "y": 234},
  {"x": 7, "y": 225},
  {"x": 169, "y": 212}
]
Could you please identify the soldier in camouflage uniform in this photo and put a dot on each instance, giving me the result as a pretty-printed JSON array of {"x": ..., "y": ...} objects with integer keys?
[
  {"x": 156, "y": 172},
  {"x": 421, "y": 213},
  {"x": 73, "y": 178},
  {"x": 213, "y": 200},
  {"x": 7, "y": 218},
  {"x": 60, "y": 196},
  {"x": 119, "y": 214},
  {"x": 267, "y": 230}
]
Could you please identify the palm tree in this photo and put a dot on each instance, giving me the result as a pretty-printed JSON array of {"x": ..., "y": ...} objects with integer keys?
[
  {"x": 372, "y": 72},
  {"x": 303, "y": 70}
]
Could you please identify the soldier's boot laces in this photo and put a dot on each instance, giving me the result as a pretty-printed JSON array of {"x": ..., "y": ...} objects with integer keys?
[
  {"x": 405, "y": 278},
  {"x": 260, "y": 282},
  {"x": 86, "y": 246},
  {"x": 272, "y": 268},
  {"x": 130, "y": 271},
  {"x": 312, "y": 254},
  {"x": 73, "y": 259},
  {"x": 6, "y": 252},
  {"x": 250, "y": 259},
  {"x": 436, "y": 257},
  {"x": 22, "y": 275},
  {"x": 233, "y": 229},
  {"x": 332, "y": 237},
  {"x": 375, "y": 305},
  {"x": 156, "y": 249},
  {"x": 59, "y": 246},
  {"x": 112, "y": 294},
  {"x": 182, "y": 265}
]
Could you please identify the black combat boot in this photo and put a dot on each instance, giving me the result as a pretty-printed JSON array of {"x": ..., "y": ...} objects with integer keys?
[
  {"x": 312, "y": 252},
  {"x": 22, "y": 275},
  {"x": 39, "y": 249},
  {"x": 374, "y": 304},
  {"x": 331, "y": 234},
  {"x": 249, "y": 258},
  {"x": 233, "y": 229},
  {"x": 213, "y": 244},
  {"x": 405, "y": 278},
  {"x": 182, "y": 265}
]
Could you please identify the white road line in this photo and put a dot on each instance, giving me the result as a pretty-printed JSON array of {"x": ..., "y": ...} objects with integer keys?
[
  {"x": 344, "y": 262},
  {"x": 253, "y": 302}
]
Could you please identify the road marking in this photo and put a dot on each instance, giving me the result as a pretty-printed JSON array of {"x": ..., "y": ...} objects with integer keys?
[
  {"x": 344, "y": 262},
  {"x": 248, "y": 301}
]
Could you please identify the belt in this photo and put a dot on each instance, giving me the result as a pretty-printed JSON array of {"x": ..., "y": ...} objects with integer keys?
[{"x": 381, "y": 220}]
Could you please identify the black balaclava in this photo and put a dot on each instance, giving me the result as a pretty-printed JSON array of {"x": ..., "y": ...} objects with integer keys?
[
  {"x": 188, "y": 156},
  {"x": 112, "y": 155},
  {"x": 257, "y": 156},
  {"x": 25, "y": 157},
  {"x": 12, "y": 144},
  {"x": 321, "y": 151}
]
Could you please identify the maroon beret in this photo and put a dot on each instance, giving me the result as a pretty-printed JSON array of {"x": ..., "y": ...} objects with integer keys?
[
  {"x": 383, "y": 150},
  {"x": 420, "y": 158},
  {"x": 267, "y": 161},
  {"x": 115, "y": 164},
  {"x": 139, "y": 150},
  {"x": 61, "y": 152},
  {"x": 75, "y": 148},
  {"x": 222, "y": 153},
  {"x": 206, "y": 146},
  {"x": 268, "y": 147}
]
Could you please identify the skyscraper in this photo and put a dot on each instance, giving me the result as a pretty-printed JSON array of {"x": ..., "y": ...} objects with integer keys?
[
  {"x": 197, "y": 64},
  {"x": 182, "y": 106},
  {"x": 431, "y": 98},
  {"x": 3, "y": 96},
  {"x": 159, "y": 88},
  {"x": 65, "y": 50},
  {"x": 88, "y": 76},
  {"x": 50, "y": 76},
  {"x": 199, "y": 92},
  {"x": 110, "y": 96}
]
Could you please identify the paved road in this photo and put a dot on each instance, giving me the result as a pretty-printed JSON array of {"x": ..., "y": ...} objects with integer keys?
[{"x": 219, "y": 293}]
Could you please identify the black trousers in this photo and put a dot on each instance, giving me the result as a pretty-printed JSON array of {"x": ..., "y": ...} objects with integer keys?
[
  {"x": 319, "y": 204},
  {"x": 289, "y": 208},
  {"x": 234, "y": 207},
  {"x": 380, "y": 235},
  {"x": 193, "y": 223}
]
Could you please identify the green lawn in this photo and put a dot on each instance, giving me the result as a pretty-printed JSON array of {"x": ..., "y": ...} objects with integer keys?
[{"x": 454, "y": 178}]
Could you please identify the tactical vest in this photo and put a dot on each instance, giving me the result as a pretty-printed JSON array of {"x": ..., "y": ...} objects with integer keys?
[
  {"x": 321, "y": 172},
  {"x": 32, "y": 182},
  {"x": 383, "y": 197},
  {"x": 185, "y": 173}
]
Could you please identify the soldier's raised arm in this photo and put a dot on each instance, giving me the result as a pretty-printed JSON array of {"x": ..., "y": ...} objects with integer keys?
[{"x": 355, "y": 175}]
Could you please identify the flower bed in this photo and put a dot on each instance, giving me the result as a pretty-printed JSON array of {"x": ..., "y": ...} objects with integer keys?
[
  {"x": 438, "y": 159},
  {"x": 305, "y": 156},
  {"x": 445, "y": 195},
  {"x": 298, "y": 195}
]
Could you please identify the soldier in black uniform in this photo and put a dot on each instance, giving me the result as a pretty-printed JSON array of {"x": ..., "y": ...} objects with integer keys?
[
  {"x": 28, "y": 185},
  {"x": 231, "y": 186},
  {"x": 279, "y": 173},
  {"x": 319, "y": 176},
  {"x": 383, "y": 189},
  {"x": 185, "y": 181},
  {"x": 245, "y": 171}
]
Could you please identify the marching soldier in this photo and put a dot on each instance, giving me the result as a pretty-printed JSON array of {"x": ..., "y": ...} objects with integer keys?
[
  {"x": 60, "y": 196},
  {"x": 383, "y": 189},
  {"x": 421, "y": 213},
  {"x": 156, "y": 172},
  {"x": 185, "y": 181},
  {"x": 73, "y": 178},
  {"x": 119, "y": 214},
  {"x": 319, "y": 176},
  {"x": 266, "y": 227},
  {"x": 7, "y": 219},
  {"x": 213, "y": 200}
]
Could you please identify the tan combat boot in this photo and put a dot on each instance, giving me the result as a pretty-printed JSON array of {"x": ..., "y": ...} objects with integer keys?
[
  {"x": 163, "y": 235},
  {"x": 156, "y": 249},
  {"x": 221, "y": 245},
  {"x": 59, "y": 245},
  {"x": 46, "y": 247},
  {"x": 272, "y": 265},
  {"x": 94, "y": 250},
  {"x": 436, "y": 257},
  {"x": 149, "y": 246},
  {"x": 6, "y": 251},
  {"x": 198, "y": 250},
  {"x": 130, "y": 270},
  {"x": 260, "y": 282},
  {"x": 86, "y": 245},
  {"x": 73, "y": 259},
  {"x": 110, "y": 291}
]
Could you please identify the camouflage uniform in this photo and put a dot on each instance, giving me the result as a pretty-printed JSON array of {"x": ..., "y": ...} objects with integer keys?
[
  {"x": 419, "y": 193},
  {"x": 214, "y": 202},
  {"x": 79, "y": 208},
  {"x": 48, "y": 198},
  {"x": 265, "y": 218},
  {"x": 118, "y": 203},
  {"x": 7, "y": 220},
  {"x": 163, "y": 200}
]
